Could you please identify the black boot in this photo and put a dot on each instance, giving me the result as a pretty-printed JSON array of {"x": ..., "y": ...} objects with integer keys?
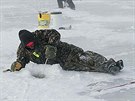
[
  {"x": 111, "y": 67},
  {"x": 71, "y": 4},
  {"x": 114, "y": 70},
  {"x": 120, "y": 64}
]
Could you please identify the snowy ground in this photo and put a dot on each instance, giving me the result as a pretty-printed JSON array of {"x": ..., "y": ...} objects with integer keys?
[{"x": 103, "y": 26}]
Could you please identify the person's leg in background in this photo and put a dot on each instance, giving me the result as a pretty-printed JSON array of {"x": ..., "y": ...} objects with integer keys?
[
  {"x": 71, "y": 4},
  {"x": 60, "y": 3}
]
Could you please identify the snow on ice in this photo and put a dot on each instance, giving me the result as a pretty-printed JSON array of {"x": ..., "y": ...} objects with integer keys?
[{"x": 103, "y": 26}]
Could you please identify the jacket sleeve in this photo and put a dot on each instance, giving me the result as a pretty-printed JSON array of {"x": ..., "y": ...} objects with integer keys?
[
  {"x": 21, "y": 56},
  {"x": 48, "y": 36}
]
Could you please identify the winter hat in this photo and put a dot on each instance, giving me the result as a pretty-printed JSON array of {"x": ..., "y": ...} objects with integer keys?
[{"x": 26, "y": 37}]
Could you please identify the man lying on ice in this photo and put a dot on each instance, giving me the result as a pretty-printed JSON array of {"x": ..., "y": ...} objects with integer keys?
[{"x": 45, "y": 46}]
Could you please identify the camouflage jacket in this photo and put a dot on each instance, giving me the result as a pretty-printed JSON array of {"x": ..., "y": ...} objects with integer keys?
[{"x": 64, "y": 53}]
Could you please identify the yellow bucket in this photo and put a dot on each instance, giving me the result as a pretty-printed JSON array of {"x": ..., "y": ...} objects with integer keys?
[{"x": 44, "y": 20}]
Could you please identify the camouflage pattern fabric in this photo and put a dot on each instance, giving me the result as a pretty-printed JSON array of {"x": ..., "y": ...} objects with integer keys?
[
  {"x": 43, "y": 38},
  {"x": 70, "y": 57},
  {"x": 86, "y": 61}
]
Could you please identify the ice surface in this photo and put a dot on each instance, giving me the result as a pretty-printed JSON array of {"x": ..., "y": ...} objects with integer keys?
[{"x": 103, "y": 26}]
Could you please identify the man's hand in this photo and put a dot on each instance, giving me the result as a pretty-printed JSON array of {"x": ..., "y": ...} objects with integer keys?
[
  {"x": 16, "y": 66},
  {"x": 50, "y": 51}
]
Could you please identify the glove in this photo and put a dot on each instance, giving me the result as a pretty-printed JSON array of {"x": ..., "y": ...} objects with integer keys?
[
  {"x": 50, "y": 51},
  {"x": 16, "y": 66}
]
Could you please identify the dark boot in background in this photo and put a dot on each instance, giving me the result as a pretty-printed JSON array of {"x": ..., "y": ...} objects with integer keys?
[{"x": 71, "y": 4}]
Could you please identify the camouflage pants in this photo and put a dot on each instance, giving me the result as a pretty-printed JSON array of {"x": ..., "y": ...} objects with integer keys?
[{"x": 88, "y": 61}]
